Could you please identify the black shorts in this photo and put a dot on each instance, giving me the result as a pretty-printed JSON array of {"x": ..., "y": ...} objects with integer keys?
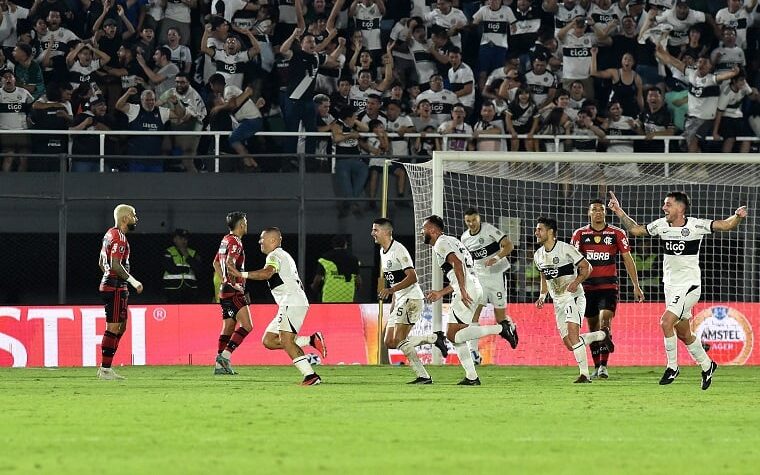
[
  {"x": 232, "y": 305},
  {"x": 115, "y": 303},
  {"x": 598, "y": 300},
  {"x": 730, "y": 128}
]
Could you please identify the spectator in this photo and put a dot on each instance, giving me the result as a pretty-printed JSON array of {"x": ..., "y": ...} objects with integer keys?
[
  {"x": 191, "y": 121},
  {"x": 177, "y": 15},
  {"x": 498, "y": 21},
  {"x": 377, "y": 146},
  {"x": 85, "y": 146},
  {"x": 422, "y": 51},
  {"x": 82, "y": 65},
  {"x": 462, "y": 80},
  {"x": 542, "y": 83},
  {"x": 449, "y": 19},
  {"x": 737, "y": 16},
  {"x": 522, "y": 118},
  {"x": 627, "y": 87},
  {"x": 179, "y": 52},
  {"x": 576, "y": 53},
  {"x": 231, "y": 62},
  {"x": 337, "y": 278},
  {"x": 441, "y": 100},
  {"x": 324, "y": 148},
  {"x": 728, "y": 55},
  {"x": 15, "y": 102},
  {"x": 584, "y": 127},
  {"x": 564, "y": 13},
  {"x": 489, "y": 125},
  {"x": 129, "y": 73},
  {"x": 163, "y": 78},
  {"x": 457, "y": 126},
  {"x": 182, "y": 264},
  {"x": 728, "y": 120},
  {"x": 51, "y": 112},
  {"x": 28, "y": 74},
  {"x": 350, "y": 170},
  {"x": 654, "y": 120},
  {"x": 367, "y": 15}
]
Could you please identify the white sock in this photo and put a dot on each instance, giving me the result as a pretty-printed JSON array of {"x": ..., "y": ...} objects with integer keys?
[
  {"x": 411, "y": 354},
  {"x": 302, "y": 363},
  {"x": 417, "y": 340},
  {"x": 591, "y": 337},
  {"x": 579, "y": 351},
  {"x": 473, "y": 333},
  {"x": 473, "y": 344},
  {"x": 465, "y": 359},
  {"x": 303, "y": 341},
  {"x": 671, "y": 351},
  {"x": 226, "y": 354},
  {"x": 698, "y": 353}
]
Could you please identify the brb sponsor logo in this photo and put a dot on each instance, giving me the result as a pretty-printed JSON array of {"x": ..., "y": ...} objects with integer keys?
[{"x": 726, "y": 333}]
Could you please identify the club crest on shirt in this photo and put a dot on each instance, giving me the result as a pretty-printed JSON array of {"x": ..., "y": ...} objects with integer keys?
[
  {"x": 685, "y": 232},
  {"x": 480, "y": 240},
  {"x": 390, "y": 263},
  {"x": 597, "y": 239},
  {"x": 608, "y": 240},
  {"x": 555, "y": 260}
]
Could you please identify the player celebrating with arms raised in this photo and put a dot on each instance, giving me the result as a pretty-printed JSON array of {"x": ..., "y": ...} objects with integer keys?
[
  {"x": 229, "y": 264},
  {"x": 682, "y": 277},
  {"x": 401, "y": 283},
  {"x": 563, "y": 269},
  {"x": 456, "y": 262},
  {"x": 490, "y": 249},
  {"x": 114, "y": 262},
  {"x": 282, "y": 276},
  {"x": 599, "y": 243}
]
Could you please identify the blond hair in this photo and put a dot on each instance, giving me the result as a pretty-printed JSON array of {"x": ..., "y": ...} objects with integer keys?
[{"x": 121, "y": 210}]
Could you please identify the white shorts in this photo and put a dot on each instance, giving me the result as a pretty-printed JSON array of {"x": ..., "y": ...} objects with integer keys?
[
  {"x": 407, "y": 312},
  {"x": 569, "y": 310},
  {"x": 289, "y": 318},
  {"x": 679, "y": 300},
  {"x": 494, "y": 289},
  {"x": 458, "y": 311}
]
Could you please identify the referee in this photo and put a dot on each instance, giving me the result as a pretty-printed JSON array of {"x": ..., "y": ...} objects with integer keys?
[{"x": 302, "y": 74}]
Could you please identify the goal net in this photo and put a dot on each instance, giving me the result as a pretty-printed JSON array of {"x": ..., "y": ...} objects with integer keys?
[{"x": 512, "y": 190}]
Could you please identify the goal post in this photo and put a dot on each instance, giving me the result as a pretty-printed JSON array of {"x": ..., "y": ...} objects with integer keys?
[{"x": 511, "y": 190}]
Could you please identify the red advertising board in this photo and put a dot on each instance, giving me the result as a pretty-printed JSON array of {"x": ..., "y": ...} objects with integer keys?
[{"x": 187, "y": 334}]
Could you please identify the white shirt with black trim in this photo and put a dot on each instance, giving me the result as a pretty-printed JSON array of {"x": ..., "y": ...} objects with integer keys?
[
  {"x": 483, "y": 245},
  {"x": 559, "y": 267},
  {"x": 461, "y": 77},
  {"x": 285, "y": 283},
  {"x": 394, "y": 263},
  {"x": 496, "y": 25},
  {"x": 680, "y": 264},
  {"x": 446, "y": 245}
]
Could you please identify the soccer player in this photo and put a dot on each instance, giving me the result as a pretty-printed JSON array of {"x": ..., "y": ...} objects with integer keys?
[
  {"x": 490, "y": 249},
  {"x": 456, "y": 262},
  {"x": 400, "y": 278},
  {"x": 563, "y": 269},
  {"x": 114, "y": 262},
  {"x": 681, "y": 237},
  {"x": 229, "y": 265},
  {"x": 281, "y": 334},
  {"x": 600, "y": 243}
]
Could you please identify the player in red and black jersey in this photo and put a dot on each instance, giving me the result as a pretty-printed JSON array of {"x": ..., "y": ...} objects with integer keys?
[
  {"x": 600, "y": 243},
  {"x": 114, "y": 262},
  {"x": 229, "y": 265}
]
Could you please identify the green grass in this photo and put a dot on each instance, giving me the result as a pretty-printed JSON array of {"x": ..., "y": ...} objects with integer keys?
[{"x": 182, "y": 420}]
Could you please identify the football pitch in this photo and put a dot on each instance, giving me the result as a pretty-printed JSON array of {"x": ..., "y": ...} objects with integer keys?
[{"x": 522, "y": 420}]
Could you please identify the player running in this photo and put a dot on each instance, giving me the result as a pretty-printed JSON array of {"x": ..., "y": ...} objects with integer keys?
[
  {"x": 229, "y": 265},
  {"x": 600, "y": 243},
  {"x": 681, "y": 237},
  {"x": 490, "y": 249},
  {"x": 114, "y": 262},
  {"x": 456, "y": 262},
  {"x": 281, "y": 334},
  {"x": 397, "y": 268},
  {"x": 563, "y": 269}
]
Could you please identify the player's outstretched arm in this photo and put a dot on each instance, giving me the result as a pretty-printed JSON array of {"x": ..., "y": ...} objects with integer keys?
[
  {"x": 628, "y": 223},
  {"x": 265, "y": 273},
  {"x": 732, "y": 222}
]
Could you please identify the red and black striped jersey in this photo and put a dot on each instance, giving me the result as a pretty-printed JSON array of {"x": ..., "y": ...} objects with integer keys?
[
  {"x": 231, "y": 247},
  {"x": 600, "y": 248},
  {"x": 114, "y": 245}
]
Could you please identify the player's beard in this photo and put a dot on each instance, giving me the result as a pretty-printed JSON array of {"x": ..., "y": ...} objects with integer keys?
[
  {"x": 131, "y": 226},
  {"x": 426, "y": 238}
]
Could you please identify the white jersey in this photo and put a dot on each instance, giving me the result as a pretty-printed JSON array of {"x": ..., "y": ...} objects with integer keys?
[
  {"x": 559, "y": 267},
  {"x": 424, "y": 61},
  {"x": 576, "y": 55},
  {"x": 681, "y": 244},
  {"x": 453, "y": 18},
  {"x": 285, "y": 283},
  {"x": 358, "y": 98},
  {"x": 703, "y": 95},
  {"x": 394, "y": 264},
  {"x": 367, "y": 20},
  {"x": 13, "y": 108},
  {"x": 619, "y": 128},
  {"x": 247, "y": 110},
  {"x": 604, "y": 17},
  {"x": 730, "y": 101},
  {"x": 727, "y": 58},
  {"x": 446, "y": 245},
  {"x": 399, "y": 145},
  {"x": 565, "y": 15},
  {"x": 232, "y": 67},
  {"x": 679, "y": 35},
  {"x": 540, "y": 85},
  {"x": 441, "y": 103},
  {"x": 739, "y": 20},
  {"x": 484, "y": 245},
  {"x": 496, "y": 25},
  {"x": 461, "y": 77}
]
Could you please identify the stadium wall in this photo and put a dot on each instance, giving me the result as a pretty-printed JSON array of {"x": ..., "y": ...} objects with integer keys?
[{"x": 187, "y": 334}]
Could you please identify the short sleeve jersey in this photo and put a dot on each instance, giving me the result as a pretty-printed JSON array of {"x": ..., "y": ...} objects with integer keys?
[
  {"x": 600, "y": 249},
  {"x": 559, "y": 267},
  {"x": 115, "y": 246},
  {"x": 285, "y": 283},
  {"x": 231, "y": 247},
  {"x": 483, "y": 245},
  {"x": 446, "y": 245},
  {"x": 394, "y": 263},
  {"x": 681, "y": 245}
]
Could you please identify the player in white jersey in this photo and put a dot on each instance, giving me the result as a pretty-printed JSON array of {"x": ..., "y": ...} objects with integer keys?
[
  {"x": 456, "y": 262},
  {"x": 490, "y": 249},
  {"x": 681, "y": 237},
  {"x": 563, "y": 269},
  {"x": 397, "y": 269},
  {"x": 281, "y": 334}
]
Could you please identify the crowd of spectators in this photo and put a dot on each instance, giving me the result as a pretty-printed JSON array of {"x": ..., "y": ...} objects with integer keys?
[{"x": 593, "y": 69}]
